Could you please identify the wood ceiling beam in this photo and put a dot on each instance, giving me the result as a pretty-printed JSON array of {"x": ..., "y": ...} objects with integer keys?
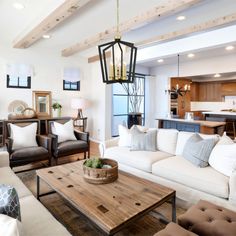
[
  {"x": 202, "y": 27},
  {"x": 59, "y": 15},
  {"x": 168, "y": 8}
]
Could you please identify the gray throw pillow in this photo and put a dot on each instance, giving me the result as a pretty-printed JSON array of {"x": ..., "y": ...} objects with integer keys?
[
  {"x": 9, "y": 202},
  {"x": 143, "y": 141},
  {"x": 197, "y": 150}
]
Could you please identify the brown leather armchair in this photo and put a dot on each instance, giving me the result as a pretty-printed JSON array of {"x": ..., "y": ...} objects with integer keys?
[
  {"x": 81, "y": 145},
  {"x": 24, "y": 156}
]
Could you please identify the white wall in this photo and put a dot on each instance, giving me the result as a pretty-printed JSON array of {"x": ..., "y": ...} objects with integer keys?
[
  {"x": 48, "y": 67},
  {"x": 220, "y": 64}
]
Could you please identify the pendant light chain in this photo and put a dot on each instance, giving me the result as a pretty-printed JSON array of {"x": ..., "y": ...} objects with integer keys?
[
  {"x": 118, "y": 36},
  {"x": 178, "y": 65}
]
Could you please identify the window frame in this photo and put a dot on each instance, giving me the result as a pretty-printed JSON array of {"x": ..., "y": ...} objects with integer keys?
[
  {"x": 137, "y": 75},
  {"x": 18, "y": 82},
  {"x": 70, "y": 83}
]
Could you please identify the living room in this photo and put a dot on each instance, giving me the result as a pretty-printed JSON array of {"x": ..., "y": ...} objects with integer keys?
[{"x": 131, "y": 139}]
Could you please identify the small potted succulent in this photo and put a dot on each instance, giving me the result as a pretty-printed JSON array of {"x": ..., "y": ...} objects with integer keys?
[{"x": 56, "y": 106}]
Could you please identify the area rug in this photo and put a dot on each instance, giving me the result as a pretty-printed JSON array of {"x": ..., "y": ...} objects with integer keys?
[{"x": 78, "y": 226}]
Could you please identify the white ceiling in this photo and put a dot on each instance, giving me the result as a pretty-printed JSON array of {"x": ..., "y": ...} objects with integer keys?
[{"x": 98, "y": 16}]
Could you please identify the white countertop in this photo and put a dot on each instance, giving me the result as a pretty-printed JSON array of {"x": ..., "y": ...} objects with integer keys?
[{"x": 228, "y": 113}]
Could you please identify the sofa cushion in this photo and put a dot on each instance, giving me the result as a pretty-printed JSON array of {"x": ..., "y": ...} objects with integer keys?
[
  {"x": 197, "y": 150},
  {"x": 8, "y": 177},
  {"x": 24, "y": 136},
  {"x": 223, "y": 158},
  {"x": 9, "y": 201},
  {"x": 30, "y": 154},
  {"x": 10, "y": 226},
  {"x": 38, "y": 221},
  {"x": 184, "y": 136},
  {"x": 71, "y": 146},
  {"x": 182, "y": 171},
  {"x": 141, "y": 141},
  {"x": 166, "y": 140},
  {"x": 64, "y": 132},
  {"x": 141, "y": 160}
]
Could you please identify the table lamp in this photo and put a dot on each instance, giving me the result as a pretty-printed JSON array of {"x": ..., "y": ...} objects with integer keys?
[{"x": 80, "y": 104}]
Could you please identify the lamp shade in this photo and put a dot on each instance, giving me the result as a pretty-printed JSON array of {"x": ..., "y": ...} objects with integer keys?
[{"x": 79, "y": 103}]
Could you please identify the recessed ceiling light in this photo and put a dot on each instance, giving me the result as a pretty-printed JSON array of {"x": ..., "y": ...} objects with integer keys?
[
  {"x": 160, "y": 60},
  {"x": 217, "y": 75},
  {"x": 229, "y": 48},
  {"x": 180, "y": 18},
  {"x": 18, "y": 5},
  {"x": 191, "y": 55},
  {"x": 46, "y": 36}
]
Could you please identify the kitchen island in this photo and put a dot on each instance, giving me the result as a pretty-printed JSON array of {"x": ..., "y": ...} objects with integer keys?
[
  {"x": 228, "y": 116},
  {"x": 200, "y": 126}
]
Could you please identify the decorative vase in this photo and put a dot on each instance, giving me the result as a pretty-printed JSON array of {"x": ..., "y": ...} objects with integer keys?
[
  {"x": 56, "y": 112},
  {"x": 134, "y": 118}
]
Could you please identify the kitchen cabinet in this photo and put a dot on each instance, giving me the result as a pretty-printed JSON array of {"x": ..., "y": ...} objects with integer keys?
[
  {"x": 194, "y": 92},
  {"x": 229, "y": 89},
  {"x": 209, "y": 92}
]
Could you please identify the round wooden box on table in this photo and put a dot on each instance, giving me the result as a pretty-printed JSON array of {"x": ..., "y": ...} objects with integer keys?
[{"x": 101, "y": 175}]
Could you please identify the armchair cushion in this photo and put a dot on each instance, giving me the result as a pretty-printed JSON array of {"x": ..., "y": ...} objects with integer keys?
[
  {"x": 29, "y": 154},
  {"x": 65, "y": 132},
  {"x": 23, "y": 136},
  {"x": 71, "y": 147}
]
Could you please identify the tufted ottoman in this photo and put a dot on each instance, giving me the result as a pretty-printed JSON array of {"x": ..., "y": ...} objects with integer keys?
[
  {"x": 173, "y": 229},
  {"x": 207, "y": 219}
]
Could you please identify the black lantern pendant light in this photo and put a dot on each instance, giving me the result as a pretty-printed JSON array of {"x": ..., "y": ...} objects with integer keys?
[{"x": 120, "y": 67}]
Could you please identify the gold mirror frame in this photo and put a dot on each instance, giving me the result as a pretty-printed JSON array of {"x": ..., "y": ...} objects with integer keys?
[{"x": 43, "y": 108}]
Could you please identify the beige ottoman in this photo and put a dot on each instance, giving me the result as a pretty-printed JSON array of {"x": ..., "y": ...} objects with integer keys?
[
  {"x": 207, "y": 219},
  {"x": 173, "y": 229}
]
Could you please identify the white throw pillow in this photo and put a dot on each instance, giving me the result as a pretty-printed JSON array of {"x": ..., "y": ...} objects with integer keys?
[
  {"x": 125, "y": 134},
  {"x": 10, "y": 226},
  {"x": 24, "y": 136},
  {"x": 65, "y": 132},
  {"x": 223, "y": 158},
  {"x": 225, "y": 140},
  {"x": 166, "y": 140}
]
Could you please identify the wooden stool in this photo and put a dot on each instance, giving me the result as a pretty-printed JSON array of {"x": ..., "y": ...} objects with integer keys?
[
  {"x": 173, "y": 229},
  {"x": 208, "y": 219}
]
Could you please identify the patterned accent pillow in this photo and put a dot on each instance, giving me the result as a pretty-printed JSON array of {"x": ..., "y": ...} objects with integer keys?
[
  {"x": 9, "y": 202},
  {"x": 197, "y": 150}
]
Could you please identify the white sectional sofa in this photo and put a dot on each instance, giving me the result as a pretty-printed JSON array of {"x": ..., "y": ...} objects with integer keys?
[
  {"x": 36, "y": 219},
  {"x": 167, "y": 167}
]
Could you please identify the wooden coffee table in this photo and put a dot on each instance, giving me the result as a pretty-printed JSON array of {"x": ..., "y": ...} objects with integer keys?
[{"x": 109, "y": 206}]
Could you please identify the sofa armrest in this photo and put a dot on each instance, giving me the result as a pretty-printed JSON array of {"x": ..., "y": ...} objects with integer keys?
[
  {"x": 44, "y": 141},
  {"x": 232, "y": 188},
  {"x": 82, "y": 135},
  {"x": 9, "y": 144},
  {"x": 54, "y": 141},
  {"x": 107, "y": 144},
  {"x": 4, "y": 159}
]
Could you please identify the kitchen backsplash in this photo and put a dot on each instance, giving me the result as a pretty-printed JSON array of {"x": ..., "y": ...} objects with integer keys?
[{"x": 229, "y": 103}]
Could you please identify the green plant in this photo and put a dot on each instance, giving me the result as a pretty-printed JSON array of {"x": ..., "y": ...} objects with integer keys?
[
  {"x": 94, "y": 162},
  {"x": 56, "y": 105}
]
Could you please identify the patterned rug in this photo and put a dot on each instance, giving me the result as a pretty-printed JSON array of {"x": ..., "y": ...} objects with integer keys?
[{"x": 78, "y": 226}]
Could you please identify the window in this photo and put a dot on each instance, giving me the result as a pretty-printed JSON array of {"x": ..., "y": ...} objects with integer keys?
[
  {"x": 127, "y": 98},
  {"x": 19, "y": 82},
  {"x": 73, "y": 86}
]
